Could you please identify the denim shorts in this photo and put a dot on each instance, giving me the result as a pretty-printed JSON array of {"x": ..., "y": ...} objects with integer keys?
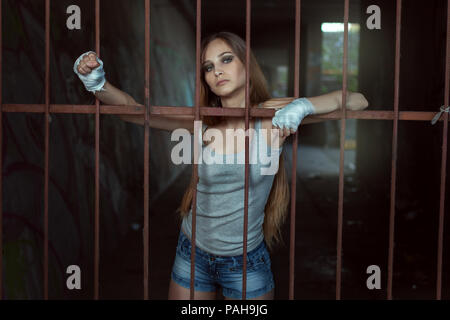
[{"x": 213, "y": 271}]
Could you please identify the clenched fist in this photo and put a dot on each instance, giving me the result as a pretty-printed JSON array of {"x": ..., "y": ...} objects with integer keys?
[
  {"x": 89, "y": 69},
  {"x": 87, "y": 63}
]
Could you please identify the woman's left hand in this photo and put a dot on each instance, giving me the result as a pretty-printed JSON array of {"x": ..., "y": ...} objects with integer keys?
[{"x": 285, "y": 132}]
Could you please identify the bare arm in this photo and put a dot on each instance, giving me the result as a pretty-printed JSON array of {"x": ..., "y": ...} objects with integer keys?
[
  {"x": 324, "y": 103},
  {"x": 332, "y": 101},
  {"x": 114, "y": 96}
]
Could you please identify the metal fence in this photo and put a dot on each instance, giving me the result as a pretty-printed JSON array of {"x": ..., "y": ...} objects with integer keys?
[{"x": 150, "y": 110}]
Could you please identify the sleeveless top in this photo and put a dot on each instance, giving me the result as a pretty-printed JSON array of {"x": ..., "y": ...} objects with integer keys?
[{"x": 220, "y": 195}]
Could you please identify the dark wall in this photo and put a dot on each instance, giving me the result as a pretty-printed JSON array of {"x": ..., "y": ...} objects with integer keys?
[
  {"x": 71, "y": 190},
  {"x": 421, "y": 88}
]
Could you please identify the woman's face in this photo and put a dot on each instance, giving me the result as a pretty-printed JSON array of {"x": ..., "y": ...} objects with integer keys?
[{"x": 221, "y": 63}]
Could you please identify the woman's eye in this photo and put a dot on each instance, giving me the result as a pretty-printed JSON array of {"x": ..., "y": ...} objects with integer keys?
[
  {"x": 208, "y": 68},
  {"x": 229, "y": 59}
]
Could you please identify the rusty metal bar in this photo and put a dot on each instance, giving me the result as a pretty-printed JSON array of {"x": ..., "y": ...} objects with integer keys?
[
  {"x": 46, "y": 118},
  {"x": 208, "y": 111},
  {"x": 97, "y": 161},
  {"x": 195, "y": 165},
  {"x": 341, "y": 161},
  {"x": 294, "y": 154},
  {"x": 1, "y": 156},
  {"x": 146, "y": 147},
  {"x": 148, "y": 110},
  {"x": 443, "y": 161},
  {"x": 247, "y": 113},
  {"x": 394, "y": 148}
]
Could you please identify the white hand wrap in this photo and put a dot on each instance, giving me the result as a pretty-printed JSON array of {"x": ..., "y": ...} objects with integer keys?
[
  {"x": 95, "y": 80},
  {"x": 293, "y": 113}
]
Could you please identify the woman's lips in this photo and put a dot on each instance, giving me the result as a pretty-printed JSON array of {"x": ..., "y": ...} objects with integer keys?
[{"x": 221, "y": 82}]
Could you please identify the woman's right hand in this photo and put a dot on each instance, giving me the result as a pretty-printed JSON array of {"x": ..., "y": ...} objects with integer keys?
[
  {"x": 89, "y": 69},
  {"x": 87, "y": 63}
]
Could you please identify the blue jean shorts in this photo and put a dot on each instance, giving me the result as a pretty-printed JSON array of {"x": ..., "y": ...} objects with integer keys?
[{"x": 213, "y": 272}]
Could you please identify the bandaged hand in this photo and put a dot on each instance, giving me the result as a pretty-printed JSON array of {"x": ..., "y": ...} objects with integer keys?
[
  {"x": 292, "y": 114},
  {"x": 89, "y": 69}
]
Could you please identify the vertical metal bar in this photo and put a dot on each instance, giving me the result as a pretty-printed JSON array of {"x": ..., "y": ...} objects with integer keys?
[
  {"x": 1, "y": 157},
  {"x": 341, "y": 161},
  {"x": 294, "y": 153},
  {"x": 146, "y": 146},
  {"x": 97, "y": 160},
  {"x": 443, "y": 161},
  {"x": 47, "y": 115},
  {"x": 394, "y": 148},
  {"x": 247, "y": 113},
  {"x": 195, "y": 166}
]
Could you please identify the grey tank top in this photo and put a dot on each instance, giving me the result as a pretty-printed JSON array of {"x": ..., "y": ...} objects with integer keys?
[{"x": 220, "y": 196}]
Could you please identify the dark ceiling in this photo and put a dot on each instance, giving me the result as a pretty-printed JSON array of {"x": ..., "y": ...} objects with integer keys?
[{"x": 219, "y": 14}]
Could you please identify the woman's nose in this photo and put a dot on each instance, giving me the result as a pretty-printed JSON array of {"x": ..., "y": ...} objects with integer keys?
[{"x": 218, "y": 73}]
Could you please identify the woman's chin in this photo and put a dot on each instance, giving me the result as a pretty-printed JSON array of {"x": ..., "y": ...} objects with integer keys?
[
  {"x": 223, "y": 93},
  {"x": 226, "y": 94}
]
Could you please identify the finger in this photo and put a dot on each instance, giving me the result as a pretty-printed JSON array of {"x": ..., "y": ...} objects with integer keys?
[
  {"x": 92, "y": 64},
  {"x": 93, "y": 60},
  {"x": 85, "y": 58},
  {"x": 83, "y": 69},
  {"x": 90, "y": 61},
  {"x": 89, "y": 57},
  {"x": 80, "y": 70}
]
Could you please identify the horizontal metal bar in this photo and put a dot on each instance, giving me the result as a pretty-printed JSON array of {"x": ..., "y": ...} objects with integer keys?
[{"x": 209, "y": 111}]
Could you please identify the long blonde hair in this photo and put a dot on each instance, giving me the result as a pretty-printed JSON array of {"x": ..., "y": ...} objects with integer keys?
[{"x": 278, "y": 200}]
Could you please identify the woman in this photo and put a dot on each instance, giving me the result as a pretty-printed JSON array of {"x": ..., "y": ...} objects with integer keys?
[{"x": 220, "y": 205}]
